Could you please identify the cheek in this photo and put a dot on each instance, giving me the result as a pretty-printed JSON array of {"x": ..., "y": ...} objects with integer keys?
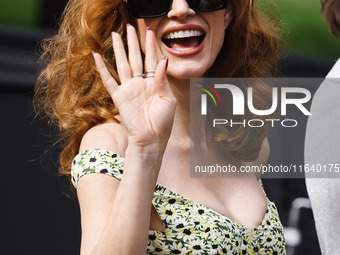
[
  {"x": 217, "y": 28},
  {"x": 220, "y": 39},
  {"x": 217, "y": 40}
]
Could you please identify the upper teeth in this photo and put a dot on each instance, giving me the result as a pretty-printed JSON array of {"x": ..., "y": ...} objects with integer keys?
[{"x": 183, "y": 34}]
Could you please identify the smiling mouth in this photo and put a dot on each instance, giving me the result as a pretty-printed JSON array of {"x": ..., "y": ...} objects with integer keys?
[{"x": 183, "y": 40}]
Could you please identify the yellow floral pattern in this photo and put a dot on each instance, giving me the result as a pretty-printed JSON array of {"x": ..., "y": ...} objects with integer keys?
[{"x": 190, "y": 227}]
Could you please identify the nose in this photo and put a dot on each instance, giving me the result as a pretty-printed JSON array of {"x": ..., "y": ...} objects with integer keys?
[{"x": 180, "y": 9}]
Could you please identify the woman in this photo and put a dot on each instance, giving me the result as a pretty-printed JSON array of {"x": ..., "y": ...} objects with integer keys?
[{"x": 134, "y": 127}]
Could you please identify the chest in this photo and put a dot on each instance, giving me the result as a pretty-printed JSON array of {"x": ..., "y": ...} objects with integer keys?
[
  {"x": 231, "y": 197},
  {"x": 190, "y": 226}
]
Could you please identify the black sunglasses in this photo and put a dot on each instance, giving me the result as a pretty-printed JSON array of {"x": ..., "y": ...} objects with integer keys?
[{"x": 156, "y": 8}]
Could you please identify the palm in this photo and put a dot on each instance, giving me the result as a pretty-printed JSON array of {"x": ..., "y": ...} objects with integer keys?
[
  {"x": 146, "y": 105},
  {"x": 145, "y": 114}
]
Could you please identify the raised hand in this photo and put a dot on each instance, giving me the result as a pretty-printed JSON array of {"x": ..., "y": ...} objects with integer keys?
[{"x": 145, "y": 102}]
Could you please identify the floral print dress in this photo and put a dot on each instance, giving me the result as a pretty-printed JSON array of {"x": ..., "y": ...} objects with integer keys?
[{"x": 190, "y": 227}]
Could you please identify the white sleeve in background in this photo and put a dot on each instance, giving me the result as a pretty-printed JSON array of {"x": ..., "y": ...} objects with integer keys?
[
  {"x": 322, "y": 146},
  {"x": 335, "y": 72}
]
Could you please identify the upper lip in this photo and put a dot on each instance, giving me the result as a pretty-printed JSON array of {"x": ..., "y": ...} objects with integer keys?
[{"x": 181, "y": 28}]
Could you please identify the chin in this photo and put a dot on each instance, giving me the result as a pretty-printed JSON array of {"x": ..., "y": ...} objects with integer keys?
[
  {"x": 187, "y": 70},
  {"x": 184, "y": 75}
]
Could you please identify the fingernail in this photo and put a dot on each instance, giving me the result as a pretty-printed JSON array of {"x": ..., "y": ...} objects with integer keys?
[
  {"x": 166, "y": 58},
  {"x": 147, "y": 28},
  {"x": 128, "y": 25},
  {"x": 92, "y": 52},
  {"x": 112, "y": 33}
]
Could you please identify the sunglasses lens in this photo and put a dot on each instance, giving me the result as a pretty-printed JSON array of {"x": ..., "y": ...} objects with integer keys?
[
  {"x": 150, "y": 8},
  {"x": 156, "y": 8},
  {"x": 206, "y": 5}
]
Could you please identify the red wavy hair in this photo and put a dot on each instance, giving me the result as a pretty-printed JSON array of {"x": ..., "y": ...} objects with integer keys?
[
  {"x": 331, "y": 8},
  {"x": 70, "y": 92}
]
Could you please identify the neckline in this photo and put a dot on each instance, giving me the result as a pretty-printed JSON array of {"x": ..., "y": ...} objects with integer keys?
[{"x": 229, "y": 220}]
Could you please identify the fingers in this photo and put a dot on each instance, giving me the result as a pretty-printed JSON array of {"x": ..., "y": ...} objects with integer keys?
[
  {"x": 152, "y": 70},
  {"x": 109, "y": 83},
  {"x": 127, "y": 68},
  {"x": 150, "y": 48},
  {"x": 135, "y": 58},
  {"x": 123, "y": 67},
  {"x": 133, "y": 66}
]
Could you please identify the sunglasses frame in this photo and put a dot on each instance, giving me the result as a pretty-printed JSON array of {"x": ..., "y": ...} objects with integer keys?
[{"x": 137, "y": 16}]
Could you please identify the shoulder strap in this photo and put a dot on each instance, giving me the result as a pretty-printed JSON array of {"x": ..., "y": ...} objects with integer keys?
[{"x": 96, "y": 161}]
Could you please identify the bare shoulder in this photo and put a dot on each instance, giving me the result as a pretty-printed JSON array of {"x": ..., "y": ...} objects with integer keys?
[{"x": 110, "y": 136}]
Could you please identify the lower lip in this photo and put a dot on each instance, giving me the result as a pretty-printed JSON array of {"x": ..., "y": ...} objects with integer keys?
[{"x": 186, "y": 52}]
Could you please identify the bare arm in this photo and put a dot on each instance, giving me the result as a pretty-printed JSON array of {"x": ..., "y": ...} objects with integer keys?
[{"x": 116, "y": 215}]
